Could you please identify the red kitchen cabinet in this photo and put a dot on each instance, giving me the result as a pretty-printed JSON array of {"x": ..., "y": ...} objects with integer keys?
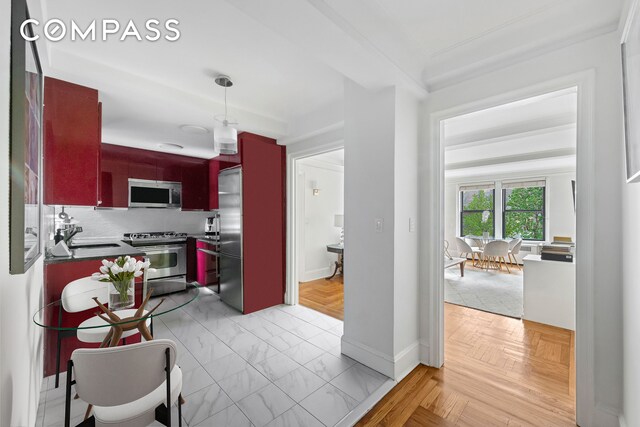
[
  {"x": 144, "y": 165},
  {"x": 114, "y": 179},
  {"x": 195, "y": 184},
  {"x": 263, "y": 198},
  {"x": 72, "y": 129},
  {"x": 192, "y": 260},
  {"x": 169, "y": 167},
  {"x": 207, "y": 265},
  {"x": 214, "y": 169}
]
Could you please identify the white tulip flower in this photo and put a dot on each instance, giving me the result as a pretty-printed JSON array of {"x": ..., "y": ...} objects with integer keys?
[{"x": 137, "y": 274}]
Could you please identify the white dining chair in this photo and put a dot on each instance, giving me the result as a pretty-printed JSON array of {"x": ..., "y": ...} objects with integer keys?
[
  {"x": 466, "y": 250},
  {"x": 494, "y": 253},
  {"x": 127, "y": 386},
  {"x": 78, "y": 296},
  {"x": 514, "y": 249}
]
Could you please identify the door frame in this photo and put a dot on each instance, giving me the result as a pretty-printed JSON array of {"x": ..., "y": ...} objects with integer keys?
[
  {"x": 294, "y": 154},
  {"x": 585, "y": 223}
]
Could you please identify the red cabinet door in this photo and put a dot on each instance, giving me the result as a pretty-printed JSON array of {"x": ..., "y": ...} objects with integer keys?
[
  {"x": 71, "y": 150},
  {"x": 263, "y": 198},
  {"x": 214, "y": 169},
  {"x": 195, "y": 184},
  {"x": 144, "y": 165},
  {"x": 114, "y": 179},
  {"x": 207, "y": 272},
  {"x": 169, "y": 167}
]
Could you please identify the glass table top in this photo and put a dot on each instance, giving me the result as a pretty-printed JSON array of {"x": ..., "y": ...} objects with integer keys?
[{"x": 53, "y": 316}]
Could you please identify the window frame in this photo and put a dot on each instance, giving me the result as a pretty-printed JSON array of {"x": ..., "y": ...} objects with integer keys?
[
  {"x": 462, "y": 211},
  {"x": 543, "y": 210}
]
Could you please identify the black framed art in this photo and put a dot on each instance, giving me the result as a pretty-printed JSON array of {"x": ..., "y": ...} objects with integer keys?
[{"x": 25, "y": 146}]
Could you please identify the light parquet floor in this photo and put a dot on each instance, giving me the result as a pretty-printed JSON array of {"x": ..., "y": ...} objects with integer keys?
[
  {"x": 325, "y": 296},
  {"x": 498, "y": 371}
]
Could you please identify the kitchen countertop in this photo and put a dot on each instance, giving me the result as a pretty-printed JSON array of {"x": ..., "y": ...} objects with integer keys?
[{"x": 98, "y": 249}]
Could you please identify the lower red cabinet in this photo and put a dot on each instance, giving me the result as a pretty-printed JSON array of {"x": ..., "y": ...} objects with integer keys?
[{"x": 207, "y": 264}]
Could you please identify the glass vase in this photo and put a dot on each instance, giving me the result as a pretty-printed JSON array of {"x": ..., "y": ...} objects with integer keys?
[{"x": 121, "y": 295}]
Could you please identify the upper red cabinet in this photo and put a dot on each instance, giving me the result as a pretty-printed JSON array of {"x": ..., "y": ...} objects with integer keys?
[
  {"x": 195, "y": 184},
  {"x": 72, "y": 128},
  {"x": 114, "y": 178}
]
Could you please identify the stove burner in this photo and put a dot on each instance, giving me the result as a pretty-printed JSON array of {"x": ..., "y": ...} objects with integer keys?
[{"x": 154, "y": 235}]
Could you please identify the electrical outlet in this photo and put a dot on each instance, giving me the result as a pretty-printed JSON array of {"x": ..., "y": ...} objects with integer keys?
[
  {"x": 412, "y": 225},
  {"x": 379, "y": 225}
]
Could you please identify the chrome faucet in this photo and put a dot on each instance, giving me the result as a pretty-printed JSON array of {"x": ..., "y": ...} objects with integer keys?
[{"x": 67, "y": 233}]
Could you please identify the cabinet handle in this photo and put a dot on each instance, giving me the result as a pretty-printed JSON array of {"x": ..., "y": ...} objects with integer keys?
[{"x": 208, "y": 252}]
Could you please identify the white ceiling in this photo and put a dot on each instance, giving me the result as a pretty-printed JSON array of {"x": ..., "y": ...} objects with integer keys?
[
  {"x": 289, "y": 58},
  {"x": 534, "y": 135}
]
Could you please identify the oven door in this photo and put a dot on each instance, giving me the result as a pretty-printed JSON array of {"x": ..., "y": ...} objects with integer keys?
[{"x": 168, "y": 260}]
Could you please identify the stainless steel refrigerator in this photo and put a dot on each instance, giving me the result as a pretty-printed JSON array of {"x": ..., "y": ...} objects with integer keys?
[{"x": 230, "y": 209}]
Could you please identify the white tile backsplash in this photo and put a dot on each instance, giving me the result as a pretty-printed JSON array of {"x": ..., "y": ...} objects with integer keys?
[{"x": 116, "y": 222}]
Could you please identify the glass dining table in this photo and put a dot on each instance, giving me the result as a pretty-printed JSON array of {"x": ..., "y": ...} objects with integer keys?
[{"x": 52, "y": 316}]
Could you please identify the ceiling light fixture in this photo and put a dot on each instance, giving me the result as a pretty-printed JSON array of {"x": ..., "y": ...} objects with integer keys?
[
  {"x": 225, "y": 137},
  {"x": 194, "y": 129}
]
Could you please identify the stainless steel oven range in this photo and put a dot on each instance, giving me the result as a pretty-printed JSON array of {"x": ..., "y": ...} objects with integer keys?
[{"x": 167, "y": 252}]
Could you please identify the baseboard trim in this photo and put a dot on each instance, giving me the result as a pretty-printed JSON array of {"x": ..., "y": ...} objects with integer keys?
[
  {"x": 621, "y": 421},
  {"x": 406, "y": 361},
  {"x": 321, "y": 273},
  {"x": 368, "y": 356},
  {"x": 366, "y": 405}
]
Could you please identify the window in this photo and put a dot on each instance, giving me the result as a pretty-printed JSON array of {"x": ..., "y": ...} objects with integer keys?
[
  {"x": 523, "y": 210},
  {"x": 477, "y": 211}
]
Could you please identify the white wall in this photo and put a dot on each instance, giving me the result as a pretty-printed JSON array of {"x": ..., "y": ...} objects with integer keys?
[
  {"x": 405, "y": 335},
  {"x": 381, "y": 288},
  {"x": 317, "y": 213},
  {"x": 602, "y": 55},
  {"x": 20, "y": 296},
  {"x": 115, "y": 222},
  {"x": 369, "y": 135},
  {"x": 560, "y": 216}
]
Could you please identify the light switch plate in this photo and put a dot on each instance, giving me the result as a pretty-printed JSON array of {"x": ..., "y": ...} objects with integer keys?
[
  {"x": 412, "y": 225},
  {"x": 379, "y": 225}
]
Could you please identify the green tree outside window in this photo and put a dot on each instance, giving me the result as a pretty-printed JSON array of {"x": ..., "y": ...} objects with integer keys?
[
  {"x": 523, "y": 213},
  {"x": 477, "y": 216}
]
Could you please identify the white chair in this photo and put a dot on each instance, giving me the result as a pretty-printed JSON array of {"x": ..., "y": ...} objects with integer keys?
[
  {"x": 495, "y": 252},
  {"x": 78, "y": 296},
  {"x": 514, "y": 249},
  {"x": 466, "y": 250},
  {"x": 128, "y": 386}
]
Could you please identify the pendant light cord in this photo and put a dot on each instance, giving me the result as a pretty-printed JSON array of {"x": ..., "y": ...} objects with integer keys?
[{"x": 225, "y": 104}]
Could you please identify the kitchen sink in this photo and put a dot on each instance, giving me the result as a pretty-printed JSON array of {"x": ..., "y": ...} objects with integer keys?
[{"x": 94, "y": 246}]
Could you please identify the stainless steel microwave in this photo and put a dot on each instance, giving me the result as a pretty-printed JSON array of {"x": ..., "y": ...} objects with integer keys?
[{"x": 154, "y": 194}]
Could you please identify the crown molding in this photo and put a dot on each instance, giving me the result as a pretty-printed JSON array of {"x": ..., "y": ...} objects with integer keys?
[{"x": 511, "y": 57}]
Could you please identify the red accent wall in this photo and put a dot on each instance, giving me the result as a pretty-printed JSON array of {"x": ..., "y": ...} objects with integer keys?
[
  {"x": 56, "y": 277},
  {"x": 72, "y": 129},
  {"x": 263, "y": 222}
]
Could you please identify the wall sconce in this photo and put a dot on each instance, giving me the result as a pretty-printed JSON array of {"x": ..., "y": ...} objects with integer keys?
[{"x": 314, "y": 187}]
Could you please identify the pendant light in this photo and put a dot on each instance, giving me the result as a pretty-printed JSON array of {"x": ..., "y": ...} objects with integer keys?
[{"x": 225, "y": 137}]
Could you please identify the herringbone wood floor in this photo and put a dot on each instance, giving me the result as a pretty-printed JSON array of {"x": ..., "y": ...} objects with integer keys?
[
  {"x": 325, "y": 296},
  {"x": 498, "y": 371}
]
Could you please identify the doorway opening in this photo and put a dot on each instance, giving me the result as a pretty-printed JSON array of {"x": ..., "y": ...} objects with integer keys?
[
  {"x": 319, "y": 207},
  {"x": 509, "y": 218}
]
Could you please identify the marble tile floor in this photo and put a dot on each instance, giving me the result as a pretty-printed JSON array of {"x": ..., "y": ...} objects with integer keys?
[{"x": 278, "y": 367}]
